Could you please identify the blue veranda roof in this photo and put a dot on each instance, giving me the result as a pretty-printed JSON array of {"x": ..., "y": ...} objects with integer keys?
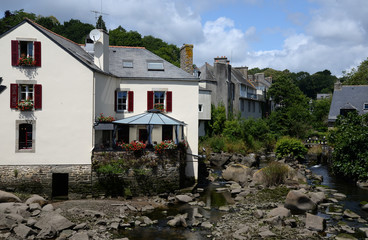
[{"x": 151, "y": 117}]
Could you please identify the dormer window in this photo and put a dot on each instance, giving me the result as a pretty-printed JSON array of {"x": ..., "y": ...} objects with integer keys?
[
  {"x": 25, "y": 53},
  {"x": 365, "y": 106},
  {"x": 127, "y": 63},
  {"x": 155, "y": 66}
]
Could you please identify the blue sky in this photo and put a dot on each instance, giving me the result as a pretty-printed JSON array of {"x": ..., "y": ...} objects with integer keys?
[{"x": 299, "y": 35}]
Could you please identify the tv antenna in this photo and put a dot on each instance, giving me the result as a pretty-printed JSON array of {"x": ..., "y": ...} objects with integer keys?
[{"x": 98, "y": 13}]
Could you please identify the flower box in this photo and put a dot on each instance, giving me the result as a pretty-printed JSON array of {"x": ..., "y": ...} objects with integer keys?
[
  {"x": 159, "y": 106},
  {"x": 26, "y": 61},
  {"x": 25, "y": 105},
  {"x": 102, "y": 118}
]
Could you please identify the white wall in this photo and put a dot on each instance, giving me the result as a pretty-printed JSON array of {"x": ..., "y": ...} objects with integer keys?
[{"x": 64, "y": 125}]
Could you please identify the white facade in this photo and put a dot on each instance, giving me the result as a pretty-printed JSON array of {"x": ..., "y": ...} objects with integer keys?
[{"x": 74, "y": 93}]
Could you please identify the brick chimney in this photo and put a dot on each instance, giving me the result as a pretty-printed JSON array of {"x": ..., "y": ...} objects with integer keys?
[{"x": 186, "y": 58}]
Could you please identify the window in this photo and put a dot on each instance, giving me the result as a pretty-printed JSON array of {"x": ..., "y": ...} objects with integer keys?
[
  {"x": 254, "y": 106},
  {"x": 26, "y": 53},
  {"x": 124, "y": 101},
  {"x": 159, "y": 100},
  {"x": 242, "y": 105},
  {"x": 200, "y": 107},
  {"x": 25, "y": 136},
  {"x": 167, "y": 132},
  {"x": 249, "y": 106},
  {"x": 20, "y": 93},
  {"x": 155, "y": 66},
  {"x": 127, "y": 63},
  {"x": 365, "y": 106}
]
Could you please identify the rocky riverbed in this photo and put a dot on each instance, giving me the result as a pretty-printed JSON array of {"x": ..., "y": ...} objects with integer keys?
[{"x": 294, "y": 210}]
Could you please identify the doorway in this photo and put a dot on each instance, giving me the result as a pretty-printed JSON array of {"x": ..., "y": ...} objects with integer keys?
[{"x": 60, "y": 185}]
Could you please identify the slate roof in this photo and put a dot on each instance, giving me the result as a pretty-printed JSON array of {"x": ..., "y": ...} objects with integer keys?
[
  {"x": 140, "y": 56},
  {"x": 349, "y": 96}
]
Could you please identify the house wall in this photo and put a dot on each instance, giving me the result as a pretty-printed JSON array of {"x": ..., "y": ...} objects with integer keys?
[
  {"x": 63, "y": 127},
  {"x": 252, "y": 108},
  {"x": 205, "y": 100},
  {"x": 184, "y": 107}
]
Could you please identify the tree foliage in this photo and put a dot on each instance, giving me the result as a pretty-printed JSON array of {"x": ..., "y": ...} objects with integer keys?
[
  {"x": 100, "y": 24},
  {"x": 357, "y": 76}
]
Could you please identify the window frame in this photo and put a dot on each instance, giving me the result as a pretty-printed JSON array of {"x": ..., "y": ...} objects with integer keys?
[
  {"x": 365, "y": 106},
  {"x": 155, "y": 65},
  {"x": 126, "y": 101},
  {"x": 32, "y": 49},
  {"x": 18, "y": 124},
  {"x": 200, "y": 107},
  {"x": 127, "y": 61}
]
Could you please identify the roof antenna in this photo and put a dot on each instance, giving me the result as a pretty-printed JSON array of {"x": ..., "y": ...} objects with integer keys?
[{"x": 98, "y": 13}]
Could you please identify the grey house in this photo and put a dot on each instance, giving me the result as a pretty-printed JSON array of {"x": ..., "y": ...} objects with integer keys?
[{"x": 346, "y": 99}]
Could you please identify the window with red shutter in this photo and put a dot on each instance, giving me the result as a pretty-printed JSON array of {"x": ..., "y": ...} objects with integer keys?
[
  {"x": 37, "y": 96},
  {"x": 149, "y": 100},
  {"x": 168, "y": 101},
  {"x": 130, "y": 101},
  {"x": 13, "y": 95},
  {"x": 37, "y": 53},
  {"x": 14, "y": 53}
]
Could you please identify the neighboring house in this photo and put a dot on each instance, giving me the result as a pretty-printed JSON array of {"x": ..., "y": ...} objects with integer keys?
[
  {"x": 229, "y": 86},
  {"x": 67, "y": 88},
  {"x": 347, "y": 98},
  {"x": 321, "y": 96}
]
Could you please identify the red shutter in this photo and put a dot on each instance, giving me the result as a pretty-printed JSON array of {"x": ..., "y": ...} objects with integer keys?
[
  {"x": 37, "y": 96},
  {"x": 13, "y": 95},
  {"x": 14, "y": 53},
  {"x": 168, "y": 101},
  {"x": 37, "y": 52},
  {"x": 116, "y": 101},
  {"x": 149, "y": 100},
  {"x": 130, "y": 101}
]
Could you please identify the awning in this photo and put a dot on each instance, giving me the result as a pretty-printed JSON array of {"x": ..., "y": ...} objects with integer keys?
[
  {"x": 151, "y": 117},
  {"x": 104, "y": 126}
]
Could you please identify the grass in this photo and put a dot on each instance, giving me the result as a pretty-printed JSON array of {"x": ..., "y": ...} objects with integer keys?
[{"x": 275, "y": 173}]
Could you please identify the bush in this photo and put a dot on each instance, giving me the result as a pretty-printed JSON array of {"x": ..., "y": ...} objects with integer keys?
[
  {"x": 217, "y": 143},
  {"x": 290, "y": 147},
  {"x": 232, "y": 129},
  {"x": 235, "y": 146},
  {"x": 275, "y": 173}
]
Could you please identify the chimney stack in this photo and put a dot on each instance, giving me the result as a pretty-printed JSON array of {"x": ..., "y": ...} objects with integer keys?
[
  {"x": 186, "y": 58},
  {"x": 101, "y": 51}
]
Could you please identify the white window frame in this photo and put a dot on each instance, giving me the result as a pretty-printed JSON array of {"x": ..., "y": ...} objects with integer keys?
[
  {"x": 163, "y": 98},
  {"x": 124, "y": 105},
  {"x": 29, "y": 48},
  {"x": 155, "y": 65},
  {"x": 127, "y": 63},
  {"x": 27, "y": 90}
]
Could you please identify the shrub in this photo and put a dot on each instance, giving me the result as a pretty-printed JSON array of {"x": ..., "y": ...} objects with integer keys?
[
  {"x": 316, "y": 149},
  {"x": 235, "y": 146},
  {"x": 165, "y": 145},
  {"x": 232, "y": 129},
  {"x": 217, "y": 143},
  {"x": 275, "y": 173},
  {"x": 290, "y": 147}
]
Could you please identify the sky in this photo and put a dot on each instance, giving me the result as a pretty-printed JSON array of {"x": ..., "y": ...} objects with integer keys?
[{"x": 298, "y": 35}]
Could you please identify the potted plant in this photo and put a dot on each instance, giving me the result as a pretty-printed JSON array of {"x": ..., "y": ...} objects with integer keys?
[
  {"x": 159, "y": 106},
  {"x": 25, "y": 105},
  {"x": 26, "y": 61},
  {"x": 104, "y": 119}
]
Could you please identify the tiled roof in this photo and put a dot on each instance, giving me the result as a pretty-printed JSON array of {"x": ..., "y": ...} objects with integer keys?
[{"x": 349, "y": 96}]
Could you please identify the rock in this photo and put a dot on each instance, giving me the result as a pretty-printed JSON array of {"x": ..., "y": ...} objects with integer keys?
[
  {"x": 80, "y": 226},
  {"x": 8, "y": 197},
  {"x": 237, "y": 172},
  {"x": 363, "y": 184},
  {"x": 280, "y": 211},
  {"x": 298, "y": 202},
  {"x": 273, "y": 221},
  {"x": 365, "y": 207},
  {"x": 31, "y": 222},
  {"x": 22, "y": 231},
  {"x": 224, "y": 208},
  {"x": 65, "y": 234},
  {"x": 258, "y": 214},
  {"x": 34, "y": 206},
  {"x": 6, "y": 223},
  {"x": 80, "y": 236},
  {"x": 46, "y": 232},
  {"x": 350, "y": 214},
  {"x": 317, "y": 197},
  {"x": 184, "y": 198},
  {"x": 243, "y": 229},
  {"x": 266, "y": 234},
  {"x": 36, "y": 199},
  {"x": 258, "y": 177},
  {"x": 178, "y": 220},
  {"x": 339, "y": 196},
  {"x": 345, "y": 236},
  {"x": 219, "y": 159},
  {"x": 54, "y": 220},
  {"x": 147, "y": 208},
  {"x": 315, "y": 223},
  {"x": 206, "y": 225},
  {"x": 48, "y": 208}
]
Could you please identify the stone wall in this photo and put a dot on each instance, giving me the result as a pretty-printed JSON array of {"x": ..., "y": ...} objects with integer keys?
[
  {"x": 147, "y": 174},
  {"x": 38, "y": 179}
]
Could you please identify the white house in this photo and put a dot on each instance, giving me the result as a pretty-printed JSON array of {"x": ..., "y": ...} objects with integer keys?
[{"x": 67, "y": 88}]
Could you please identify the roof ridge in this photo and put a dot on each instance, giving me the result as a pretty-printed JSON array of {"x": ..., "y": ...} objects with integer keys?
[
  {"x": 127, "y": 47},
  {"x": 51, "y": 31}
]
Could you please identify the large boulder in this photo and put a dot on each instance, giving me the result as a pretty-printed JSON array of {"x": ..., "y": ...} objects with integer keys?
[
  {"x": 237, "y": 173},
  {"x": 258, "y": 177},
  {"x": 298, "y": 202},
  {"x": 55, "y": 220},
  {"x": 36, "y": 199},
  {"x": 315, "y": 223},
  {"x": 8, "y": 197},
  {"x": 184, "y": 198},
  {"x": 279, "y": 212},
  {"x": 317, "y": 197},
  {"x": 219, "y": 159}
]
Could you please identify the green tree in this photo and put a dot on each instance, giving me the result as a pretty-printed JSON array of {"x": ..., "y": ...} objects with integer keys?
[
  {"x": 319, "y": 114},
  {"x": 357, "y": 76},
  {"x": 218, "y": 119},
  {"x": 319, "y": 82},
  {"x": 50, "y": 22},
  {"x": 100, "y": 24},
  {"x": 350, "y": 142},
  {"x": 11, "y": 19},
  {"x": 75, "y": 30},
  {"x": 291, "y": 116}
]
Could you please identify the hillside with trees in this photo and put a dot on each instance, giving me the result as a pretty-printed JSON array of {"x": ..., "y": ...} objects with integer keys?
[{"x": 77, "y": 31}]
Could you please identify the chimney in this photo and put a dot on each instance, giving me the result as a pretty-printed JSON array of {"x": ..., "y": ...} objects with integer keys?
[
  {"x": 243, "y": 71},
  {"x": 222, "y": 59},
  {"x": 186, "y": 58},
  {"x": 337, "y": 86},
  {"x": 101, "y": 51}
]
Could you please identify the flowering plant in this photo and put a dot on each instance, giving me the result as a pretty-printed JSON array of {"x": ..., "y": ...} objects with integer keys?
[
  {"x": 133, "y": 146},
  {"x": 25, "y": 105},
  {"x": 26, "y": 61},
  {"x": 102, "y": 118},
  {"x": 165, "y": 145},
  {"x": 159, "y": 106}
]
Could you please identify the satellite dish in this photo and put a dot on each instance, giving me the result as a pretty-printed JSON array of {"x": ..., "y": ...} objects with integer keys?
[{"x": 95, "y": 35}]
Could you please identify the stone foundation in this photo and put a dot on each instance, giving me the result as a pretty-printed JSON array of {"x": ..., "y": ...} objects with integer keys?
[{"x": 37, "y": 179}]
